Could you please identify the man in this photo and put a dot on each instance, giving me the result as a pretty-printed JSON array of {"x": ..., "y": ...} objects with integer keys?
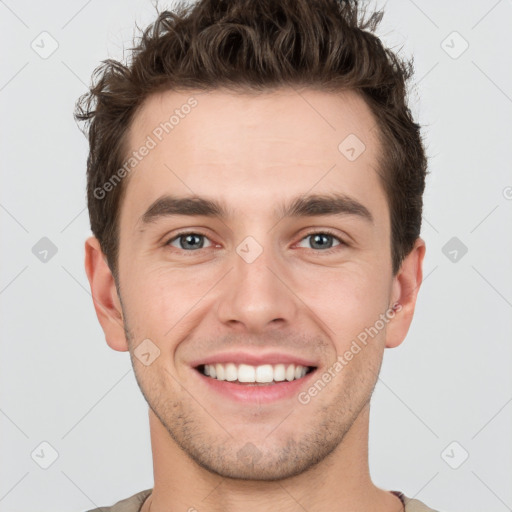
[{"x": 275, "y": 136}]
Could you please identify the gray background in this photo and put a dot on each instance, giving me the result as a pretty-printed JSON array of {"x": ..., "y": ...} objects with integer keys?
[{"x": 450, "y": 381}]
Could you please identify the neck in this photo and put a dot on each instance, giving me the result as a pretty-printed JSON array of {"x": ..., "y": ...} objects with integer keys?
[{"x": 339, "y": 482}]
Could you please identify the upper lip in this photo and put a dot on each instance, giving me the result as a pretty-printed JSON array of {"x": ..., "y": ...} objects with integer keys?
[{"x": 254, "y": 359}]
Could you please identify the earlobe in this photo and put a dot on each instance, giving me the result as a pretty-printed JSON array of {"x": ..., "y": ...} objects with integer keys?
[
  {"x": 406, "y": 285},
  {"x": 104, "y": 295}
]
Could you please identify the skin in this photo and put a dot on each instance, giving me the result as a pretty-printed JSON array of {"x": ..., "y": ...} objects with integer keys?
[{"x": 254, "y": 152}]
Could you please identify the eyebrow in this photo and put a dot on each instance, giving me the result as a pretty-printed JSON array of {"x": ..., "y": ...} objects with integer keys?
[{"x": 301, "y": 206}]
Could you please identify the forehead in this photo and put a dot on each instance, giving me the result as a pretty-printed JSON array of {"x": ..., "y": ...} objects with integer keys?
[{"x": 253, "y": 149}]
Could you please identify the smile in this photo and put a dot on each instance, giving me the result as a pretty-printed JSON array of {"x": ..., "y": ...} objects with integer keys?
[{"x": 265, "y": 374}]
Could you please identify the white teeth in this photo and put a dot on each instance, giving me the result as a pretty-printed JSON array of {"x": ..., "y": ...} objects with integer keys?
[
  {"x": 246, "y": 373},
  {"x": 231, "y": 372},
  {"x": 279, "y": 372},
  {"x": 264, "y": 373},
  {"x": 219, "y": 370}
]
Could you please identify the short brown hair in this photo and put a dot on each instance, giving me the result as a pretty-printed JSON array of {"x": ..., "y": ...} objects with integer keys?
[{"x": 257, "y": 45}]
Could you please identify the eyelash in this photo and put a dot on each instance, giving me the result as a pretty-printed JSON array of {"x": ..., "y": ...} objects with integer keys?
[{"x": 311, "y": 233}]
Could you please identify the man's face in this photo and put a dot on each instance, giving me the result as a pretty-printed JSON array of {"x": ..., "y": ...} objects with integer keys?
[{"x": 256, "y": 283}]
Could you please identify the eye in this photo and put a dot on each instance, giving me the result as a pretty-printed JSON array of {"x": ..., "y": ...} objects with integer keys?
[
  {"x": 323, "y": 240},
  {"x": 188, "y": 241}
]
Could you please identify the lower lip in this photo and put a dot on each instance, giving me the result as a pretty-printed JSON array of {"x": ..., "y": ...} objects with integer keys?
[{"x": 257, "y": 393}]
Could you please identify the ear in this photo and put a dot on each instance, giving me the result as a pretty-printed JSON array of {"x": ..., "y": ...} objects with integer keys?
[
  {"x": 405, "y": 287},
  {"x": 104, "y": 295}
]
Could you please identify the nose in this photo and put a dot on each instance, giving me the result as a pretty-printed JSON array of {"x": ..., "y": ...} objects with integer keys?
[{"x": 257, "y": 296}]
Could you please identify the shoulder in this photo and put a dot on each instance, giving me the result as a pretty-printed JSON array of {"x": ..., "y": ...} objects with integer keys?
[
  {"x": 412, "y": 505},
  {"x": 131, "y": 504}
]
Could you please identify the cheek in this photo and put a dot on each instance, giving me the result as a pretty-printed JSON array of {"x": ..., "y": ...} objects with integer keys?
[
  {"x": 163, "y": 301},
  {"x": 346, "y": 301}
]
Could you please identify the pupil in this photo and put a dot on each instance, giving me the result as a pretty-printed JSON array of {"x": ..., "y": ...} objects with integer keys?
[
  {"x": 317, "y": 237},
  {"x": 189, "y": 239}
]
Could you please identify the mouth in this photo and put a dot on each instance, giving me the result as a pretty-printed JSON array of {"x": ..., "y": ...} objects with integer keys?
[
  {"x": 249, "y": 375},
  {"x": 253, "y": 378}
]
